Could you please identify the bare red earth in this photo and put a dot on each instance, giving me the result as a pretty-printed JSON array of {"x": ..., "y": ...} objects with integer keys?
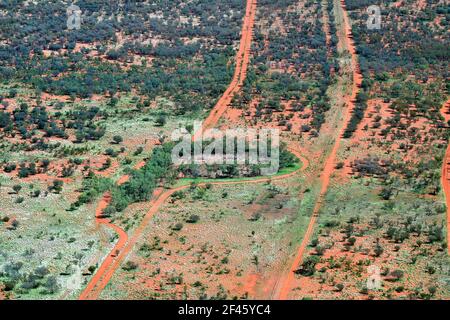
[{"x": 104, "y": 202}]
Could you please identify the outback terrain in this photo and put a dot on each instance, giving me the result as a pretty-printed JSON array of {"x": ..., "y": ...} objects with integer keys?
[{"x": 94, "y": 207}]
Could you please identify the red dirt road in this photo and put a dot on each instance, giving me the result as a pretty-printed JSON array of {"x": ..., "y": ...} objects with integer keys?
[
  {"x": 445, "y": 176},
  {"x": 240, "y": 72},
  {"x": 119, "y": 245},
  {"x": 123, "y": 237},
  {"x": 284, "y": 285},
  {"x": 111, "y": 263}
]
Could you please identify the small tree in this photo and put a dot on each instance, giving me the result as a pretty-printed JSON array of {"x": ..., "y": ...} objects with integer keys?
[
  {"x": 130, "y": 265},
  {"x": 308, "y": 267},
  {"x": 161, "y": 121},
  {"x": 397, "y": 275},
  {"x": 193, "y": 219},
  {"x": 386, "y": 193},
  {"x": 351, "y": 241},
  {"x": 51, "y": 285},
  {"x": 432, "y": 290},
  {"x": 320, "y": 250},
  {"x": 378, "y": 250},
  {"x": 339, "y": 287},
  {"x": 56, "y": 187},
  {"x": 178, "y": 226},
  {"x": 117, "y": 139},
  {"x": 17, "y": 188},
  {"x": 138, "y": 151}
]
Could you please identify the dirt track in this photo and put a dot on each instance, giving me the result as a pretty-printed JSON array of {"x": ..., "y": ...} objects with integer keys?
[
  {"x": 445, "y": 176},
  {"x": 119, "y": 245},
  {"x": 111, "y": 263},
  {"x": 284, "y": 285},
  {"x": 240, "y": 72},
  {"x": 123, "y": 237}
]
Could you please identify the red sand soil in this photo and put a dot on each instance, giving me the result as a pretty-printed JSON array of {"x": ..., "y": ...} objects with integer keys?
[
  {"x": 383, "y": 111},
  {"x": 45, "y": 177},
  {"x": 123, "y": 179},
  {"x": 98, "y": 163},
  {"x": 445, "y": 111},
  {"x": 234, "y": 114},
  {"x": 284, "y": 284},
  {"x": 126, "y": 177},
  {"x": 61, "y": 98},
  {"x": 250, "y": 283},
  {"x": 269, "y": 121},
  {"x": 445, "y": 177},
  {"x": 50, "y": 174}
]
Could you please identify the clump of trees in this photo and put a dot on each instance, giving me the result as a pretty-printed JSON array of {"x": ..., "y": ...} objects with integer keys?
[
  {"x": 371, "y": 166},
  {"x": 142, "y": 182},
  {"x": 308, "y": 267}
]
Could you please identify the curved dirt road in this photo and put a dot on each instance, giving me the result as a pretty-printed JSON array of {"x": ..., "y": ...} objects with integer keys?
[
  {"x": 284, "y": 285},
  {"x": 110, "y": 264},
  {"x": 123, "y": 236},
  {"x": 104, "y": 202}
]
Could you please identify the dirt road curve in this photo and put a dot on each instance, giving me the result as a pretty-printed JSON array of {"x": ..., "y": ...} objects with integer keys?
[
  {"x": 112, "y": 262},
  {"x": 123, "y": 237},
  {"x": 284, "y": 285},
  {"x": 445, "y": 176},
  {"x": 119, "y": 245}
]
